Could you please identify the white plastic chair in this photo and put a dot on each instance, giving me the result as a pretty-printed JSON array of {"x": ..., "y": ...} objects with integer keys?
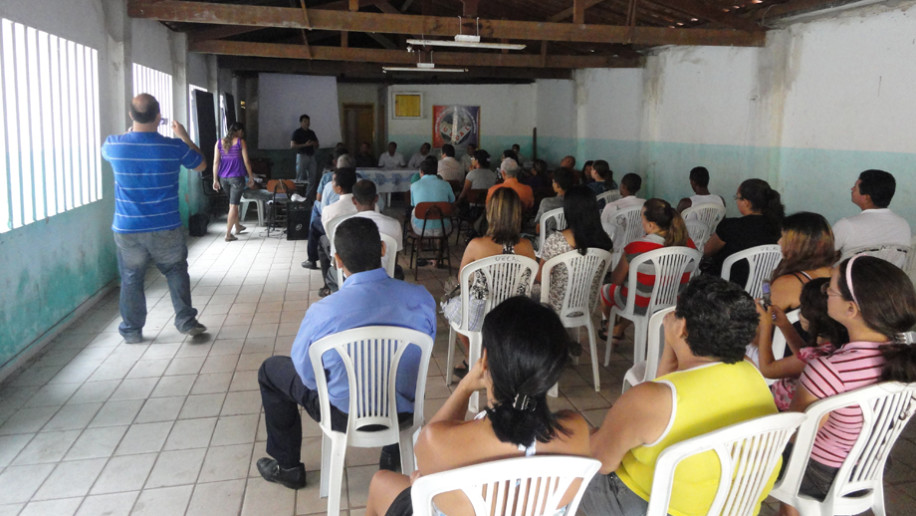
[
  {"x": 627, "y": 227},
  {"x": 607, "y": 197},
  {"x": 579, "y": 298},
  {"x": 895, "y": 253},
  {"x": 699, "y": 233},
  {"x": 390, "y": 259},
  {"x": 859, "y": 483},
  {"x": 521, "y": 486},
  {"x": 761, "y": 261},
  {"x": 910, "y": 267},
  {"x": 559, "y": 224},
  {"x": 371, "y": 356},
  {"x": 670, "y": 264},
  {"x": 506, "y": 277},
  {"x": 647, "y": 368},
  {"x": 748, "y": 453},
  {"x": 707, "y": 213},
  {"x": 259, "y": 204}
]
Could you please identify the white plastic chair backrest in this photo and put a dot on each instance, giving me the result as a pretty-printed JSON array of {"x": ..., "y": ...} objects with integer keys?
[
  {"x": 895, "y": 253},
  {"x": 606, "y": 197},
  {"x": 390, "y": 259},
  {"x": 628, "y": 227},
  {"x": 559, "y": 224},
  {"x": 699, "y": 233},
  {"x": 517, "y": 486},
  {"x": 748, "y": 453},
  {"x": 506, "y": 277},
  {"x": 371, "y": 356},
  {"x": 708, "y": 213},
  {"x": 886, "y": 409},
  {"x": 656, "y": 342},
  {"x": 779, "y": 340},
  {"x": 582, "y": 272},
  {"x": 761, "y": 261},
  {"x": 670, "y": 264}
]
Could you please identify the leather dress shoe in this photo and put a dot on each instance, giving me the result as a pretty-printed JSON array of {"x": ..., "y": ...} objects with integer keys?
[
  {"x": 293, "y": 478},
  {"x": 308, "y": 264}
]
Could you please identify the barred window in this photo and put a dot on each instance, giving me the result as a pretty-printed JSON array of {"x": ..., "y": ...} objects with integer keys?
[
  {"x": 49, "y": 125},
  {"x": 159, "y": 85}
]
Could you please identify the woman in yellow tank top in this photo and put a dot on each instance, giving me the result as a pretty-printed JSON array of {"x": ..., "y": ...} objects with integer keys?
[{"x": 703, "y": 384}]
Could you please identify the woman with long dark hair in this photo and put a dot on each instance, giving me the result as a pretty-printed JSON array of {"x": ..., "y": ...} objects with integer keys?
[
  {"x": 759, "y": 224},
  {"x": 525, "y": 348},
  {"x": 875, "y": 301},
  {"x": 230, "y": 163},
  {"x": 583, "y": 230}
]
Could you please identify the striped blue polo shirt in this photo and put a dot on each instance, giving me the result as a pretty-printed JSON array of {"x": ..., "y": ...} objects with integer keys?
[{"x": 146, "y": 169}]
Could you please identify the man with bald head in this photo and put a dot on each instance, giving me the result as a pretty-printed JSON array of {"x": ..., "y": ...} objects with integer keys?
[{"x": 147, "y": 225}]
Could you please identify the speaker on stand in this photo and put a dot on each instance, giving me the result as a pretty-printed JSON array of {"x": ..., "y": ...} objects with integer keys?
[{"x": 297, "y": 220}]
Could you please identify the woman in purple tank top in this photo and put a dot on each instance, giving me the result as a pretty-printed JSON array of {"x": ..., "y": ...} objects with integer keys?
[{"x": 230, "y": 161}]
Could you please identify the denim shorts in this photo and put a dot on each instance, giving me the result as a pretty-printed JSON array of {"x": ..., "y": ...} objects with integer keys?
[{"x": 233, "y": 186}]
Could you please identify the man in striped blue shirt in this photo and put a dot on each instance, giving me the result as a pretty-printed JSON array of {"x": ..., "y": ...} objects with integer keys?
[{"x": 147, "y": 225}]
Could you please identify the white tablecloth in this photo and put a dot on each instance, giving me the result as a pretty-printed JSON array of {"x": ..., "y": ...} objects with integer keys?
[{"x": 388, "y": 180}]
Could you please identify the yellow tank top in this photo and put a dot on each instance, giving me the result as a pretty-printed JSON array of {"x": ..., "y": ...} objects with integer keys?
[{"x": 705, "y": 398}]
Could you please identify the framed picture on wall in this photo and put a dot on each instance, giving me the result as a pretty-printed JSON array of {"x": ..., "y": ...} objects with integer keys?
[
  {"x": 458, "y": 125},
  {"x": 408, "y": 105}
]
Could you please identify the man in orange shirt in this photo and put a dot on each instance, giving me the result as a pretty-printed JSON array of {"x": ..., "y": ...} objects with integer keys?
[{"x": 509, "y": 170}]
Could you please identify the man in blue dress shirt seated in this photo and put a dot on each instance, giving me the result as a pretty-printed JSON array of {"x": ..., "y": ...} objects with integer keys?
[{"x": 287, "y": 382}]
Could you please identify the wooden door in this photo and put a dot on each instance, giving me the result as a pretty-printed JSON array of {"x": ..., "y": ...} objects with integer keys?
[{"x": 359, "y": 126}]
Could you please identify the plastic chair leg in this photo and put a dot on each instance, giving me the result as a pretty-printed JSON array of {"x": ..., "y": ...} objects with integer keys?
[
  {"x": 450, "y": 358},
  {"x": 325, "y": 466},
  {"x": 473, "y": 356},
  {"x": 593, "y": 346},
  {"x": 406, "y": 446},
  {"x": 609, "y": 345},
  {"x": 640, "y": 336},
  {"x": 335, "y": 475}
]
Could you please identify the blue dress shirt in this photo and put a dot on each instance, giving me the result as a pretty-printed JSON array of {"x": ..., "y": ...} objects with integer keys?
[{"x": 365, "y": 299}]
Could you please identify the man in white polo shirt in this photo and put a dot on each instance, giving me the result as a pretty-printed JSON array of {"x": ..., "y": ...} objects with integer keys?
[{"x": 876, "y": 225}]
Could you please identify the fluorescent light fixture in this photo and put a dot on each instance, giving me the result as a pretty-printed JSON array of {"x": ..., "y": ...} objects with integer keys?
[
  {"x": 466, "y": 41},
  {"x": 422, "y": 67}
]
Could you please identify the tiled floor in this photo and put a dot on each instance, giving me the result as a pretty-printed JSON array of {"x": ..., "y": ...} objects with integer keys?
[{"x": 174, "y": 425}]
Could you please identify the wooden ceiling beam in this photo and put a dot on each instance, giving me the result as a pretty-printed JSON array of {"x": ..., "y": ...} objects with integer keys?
[
  {"x": 371, "y": 71},
  {"x": 400, "y": 57},
  {"x": 701, "y": 11},
  {"x": 224, "y": 31},
  {"x": 261, "y": 16}
]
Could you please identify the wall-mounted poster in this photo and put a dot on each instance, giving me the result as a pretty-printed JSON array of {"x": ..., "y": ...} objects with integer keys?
[{"x": 458, "y": 125}]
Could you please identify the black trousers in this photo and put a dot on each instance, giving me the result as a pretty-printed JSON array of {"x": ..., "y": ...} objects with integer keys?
[{"x": 282, "y": 391}]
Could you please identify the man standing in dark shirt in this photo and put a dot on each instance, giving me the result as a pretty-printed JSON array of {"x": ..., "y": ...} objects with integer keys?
[
  {"x": 304, "y": 141},
  {"x": 365, "y": 158}
]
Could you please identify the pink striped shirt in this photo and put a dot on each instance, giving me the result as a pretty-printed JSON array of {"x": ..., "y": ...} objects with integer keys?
[{"x": 857, "y": 364}]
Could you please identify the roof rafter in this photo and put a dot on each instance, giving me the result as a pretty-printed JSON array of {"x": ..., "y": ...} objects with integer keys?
[
  {"x": 371, "y": 55},
  {"x": 223, "y": 14}
]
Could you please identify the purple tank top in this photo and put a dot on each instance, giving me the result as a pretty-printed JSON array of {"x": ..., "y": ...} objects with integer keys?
[{"x": 231, "y": 163}]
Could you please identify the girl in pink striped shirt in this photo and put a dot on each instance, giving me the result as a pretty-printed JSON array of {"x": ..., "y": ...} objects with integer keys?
[{"x": 875, "y": 301}]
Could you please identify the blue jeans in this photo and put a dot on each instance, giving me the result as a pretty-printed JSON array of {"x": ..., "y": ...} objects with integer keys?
[
  {"x": 307, "y": 170},
  {"x": 170, "y": 254}
]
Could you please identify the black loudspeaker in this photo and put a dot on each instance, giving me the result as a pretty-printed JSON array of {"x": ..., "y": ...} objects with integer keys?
[
  {"x": 197, "y": 225},
  {"x": 297, "y": 221}
]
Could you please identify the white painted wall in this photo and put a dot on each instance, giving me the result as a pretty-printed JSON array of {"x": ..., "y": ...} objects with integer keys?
[
  {"x": 555, "y": 108},
  {"x": 609, "y": 103},
  {"x": 851, "y": 82},
  {"x": 151, "y": 45},
  {"x": 508, "y": 113}
]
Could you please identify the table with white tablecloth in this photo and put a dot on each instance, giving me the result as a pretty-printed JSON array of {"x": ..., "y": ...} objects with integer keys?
[{"x": 388, "y": 180}]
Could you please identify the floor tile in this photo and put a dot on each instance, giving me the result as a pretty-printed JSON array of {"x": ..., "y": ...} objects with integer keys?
[
  {"x": 19, "y": 483},
  {"x": 96, "y": 443},
  {"x": 204, "y": 405},
  {"x": 190, "y": 433},
  {"x": 28, "y": 420},
  {"x": 115, "y": 504},
  {"x": 226, "y": 463},
  {"x": 166, "y": 501},
  {"x": 73, "y": 416},
  {"x": 47, "y": 447},
  {"x": 61, "y": 507},
  {"x": 214, "y": 498},
  {"x": 91, "y": 392},
  {"x": 70, "y": 479},
  {"x": 11, "y": 445},
  {"x": 174, "y": 468},
  {"x": 173, "y": 386},
  {"x": 144, "y": 437},
  {"x": 134, "y": 389},
  {"x": 242, "y": 402},
  {"x": 126, "y": 473},
  {"x": 266, "y": 498},
  {"x": 115, "y": 413},
  {"x": 160, "y": 409},
  {"x": 235, "y": 429}
]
